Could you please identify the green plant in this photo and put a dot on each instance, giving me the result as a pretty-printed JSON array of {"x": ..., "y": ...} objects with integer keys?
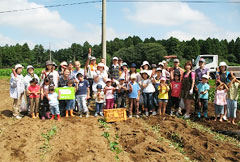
[{"x": 47, "y": 136}]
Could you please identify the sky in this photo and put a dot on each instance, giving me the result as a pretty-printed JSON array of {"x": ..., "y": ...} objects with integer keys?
[{"x": 63, "y": 26}]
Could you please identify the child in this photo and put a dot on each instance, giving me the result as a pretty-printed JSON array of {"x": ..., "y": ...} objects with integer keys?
[
  {"x": 156, "y": 82},
  {"x": 33, "y": 92},
  {"x": 99, "y": 100},
  {"x": 82, "y": 94},
  {"x": 17, "y": 89},
  {"x": 163, "y": 96},
  {"x": 176, "y": 86},
  {"x": 44, "y": 105},
  {"x": 203, "y": 89},
  {"x": 122, "y": 92},
  {"x": 109, "y": 92},
  {"x": 148, "y": 90},
  {"x": 232, "y": 98},
  {"x": 70, "y": 103},
  {"x": 115, "y": 84},
  {"x": 220, "y": 100},
  {"x": 54, "y": 103},
  {"x": 134, "y": 95}
]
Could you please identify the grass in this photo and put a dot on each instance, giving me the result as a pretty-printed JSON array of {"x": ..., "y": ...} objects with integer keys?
[
  {"x": 47, "y": 137},
  {"x": 113, "y": 144},
  {"x": 217, "y": 136}
]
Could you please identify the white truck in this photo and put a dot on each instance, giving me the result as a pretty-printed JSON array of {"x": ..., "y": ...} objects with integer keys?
[{"x": 211, "y": 62}]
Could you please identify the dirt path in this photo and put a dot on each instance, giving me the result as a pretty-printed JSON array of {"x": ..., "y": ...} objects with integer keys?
[{"x": 145, "y": 139}]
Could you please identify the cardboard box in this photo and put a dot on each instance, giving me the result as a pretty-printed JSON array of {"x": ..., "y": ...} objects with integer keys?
[{"x": 113, "y": 115}]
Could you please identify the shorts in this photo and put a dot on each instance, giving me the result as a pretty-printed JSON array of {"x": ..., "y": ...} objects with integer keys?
[
  {"x": 219, "y": 109},
  {"x": 163, "y": 100}
]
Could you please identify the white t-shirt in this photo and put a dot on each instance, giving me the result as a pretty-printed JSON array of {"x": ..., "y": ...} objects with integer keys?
[
  {"x": 102, "y": 75},
  {"x": 101, "y": 95},
  {"x": 150, "y": 88},
  {"x": 91, "y": 72},
  {"x": 53, "y": 99}
]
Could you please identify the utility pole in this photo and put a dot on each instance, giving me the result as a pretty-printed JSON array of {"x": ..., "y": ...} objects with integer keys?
[
  {"x": 50, "y": 51},
  {"x": 104, "y": 50}
]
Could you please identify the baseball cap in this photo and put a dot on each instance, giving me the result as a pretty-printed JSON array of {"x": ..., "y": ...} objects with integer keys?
[
  {"x": 30, "y": 67},
  {"x": 115, "y": 58},
  {"x": 176, "y": 60},
  {"x": 18, "y": 66},
  {"x": 205, "y": 76},
  {"x": 201, "y": 60}
]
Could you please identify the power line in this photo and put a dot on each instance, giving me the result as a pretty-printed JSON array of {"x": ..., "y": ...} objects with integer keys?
[
  {"x": 119, "y": 1},
  {"x": 51, "y": 6}
]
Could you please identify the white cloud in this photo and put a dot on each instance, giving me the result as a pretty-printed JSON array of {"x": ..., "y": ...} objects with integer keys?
[
  {"x": 184, "y": 21},
  {"x": 49, "y": 25},
  {"x": 167, "y": 14}
]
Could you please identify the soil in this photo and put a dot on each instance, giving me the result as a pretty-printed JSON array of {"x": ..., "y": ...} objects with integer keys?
[{"x": 81, "y": 139}]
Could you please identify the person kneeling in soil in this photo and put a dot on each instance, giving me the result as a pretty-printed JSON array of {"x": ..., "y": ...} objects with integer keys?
[
  {"x": 163, "y": 96},
  {"x": 134, "y": 95},
  {"x": 232, "y": 98},
  {"x": 70, "y": 103},
  {"x": 82, "y": 94},
  {"x": 53, "y": 102},
  {"x": 99, "y": 98},
  {"x": 34, "y": 95},
  {"x": 203, "y": 89},
  {"x": 220, "y": 100}
]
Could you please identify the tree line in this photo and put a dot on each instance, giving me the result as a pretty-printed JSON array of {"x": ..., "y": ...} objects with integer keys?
[{"x": 131, "y": 49}]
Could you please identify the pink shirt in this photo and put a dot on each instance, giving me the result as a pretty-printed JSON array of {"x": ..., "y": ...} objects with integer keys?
[
  {"x": 176, "y": 88},
  {"x": 109, "y": 92},
  {"x": 220, "y": 97},
  {"x": 34, "y": 90}
]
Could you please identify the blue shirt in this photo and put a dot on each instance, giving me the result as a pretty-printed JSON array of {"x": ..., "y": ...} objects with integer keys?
[
  {"x": 201, "y": 88},
  {"x": 82, "y": 88},
  {"x": 135, "y": 89}
]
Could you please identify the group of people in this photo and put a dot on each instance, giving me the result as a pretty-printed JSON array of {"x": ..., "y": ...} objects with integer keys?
[{"x": 155, "y": 90}]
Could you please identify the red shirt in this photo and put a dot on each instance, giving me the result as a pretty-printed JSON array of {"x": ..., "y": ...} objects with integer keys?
[
  {"x": 176, "y": 88},
  {"x": 34, "y": 89}
]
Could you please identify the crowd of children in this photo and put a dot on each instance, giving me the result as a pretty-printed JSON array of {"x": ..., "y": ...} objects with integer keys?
[{"x": 155, "y": 90}]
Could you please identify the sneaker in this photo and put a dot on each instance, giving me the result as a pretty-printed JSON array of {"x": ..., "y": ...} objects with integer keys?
[
  {"x": 179, "y": 111},
  {"x": 80, "y": 115},
  {"x": 171, "y": 113},
  {"x": 147, "y": 113},
  {"x": 137, "y": 116},
  {"x": 96, "y": 114},
  {"x": 224, "y": 117},
  {"x": 87, "y": 114},
  {"x": 18, "y": 117},
  {"x": 186, "y": 116},
  {"x": 205, "y": 115},
  {"x": 101, "y": 113},
  {"x": 130, "y": 116},
  {"x": 199, "y": 115},
  {"x": 154, "y": 113}
]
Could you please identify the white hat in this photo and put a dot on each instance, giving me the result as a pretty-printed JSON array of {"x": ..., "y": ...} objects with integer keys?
[
  {"x": 205, "y": 76},
  {"x": 29, "y": 67},
  {"x": 164, "y": 62},
  {"x": 159, "y": 69},
  {"x": 115, "y": 58},
  {"x": 222, "y": 64},
  {"x": 18, "y": 66},
  {"x": 176, "y": 60},
  {"x": 146, "y": 63},
  {"x": 160, "y": 63},
  {"x": 163, "y": 78},
  {"x": 64, "y": 63},
  {"x": 93, "y": 58},
  {"x": 133, "y": 76},
  {"x": 145, "y": 71},
  {"x": 101, "y": 65},
  {"x": 108, "y": 80}
]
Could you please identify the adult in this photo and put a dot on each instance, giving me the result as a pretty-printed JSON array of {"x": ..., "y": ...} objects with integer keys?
[
  {"x": 77, "y": 70},
  {"x": 188, "y": 82},
  {"x": 54, "y": 66},
  {"x": 62, "y": 67},
  {"x": 101, "y": 73},
  {"x": 120, "y": 62},
  {"x": 90, "y": 70},
  {"x": 50, "y": 74},
  {"x": 106, "y": 68},
  {"x": 17, "y": 89},
  {"x": 176, "y": 69},
  {"x": 114, "y": 69},
  {"x": 146, "y": 66},
  {"x": 133, "y": 70},
  {"x": 30, "y": 75},
  {"x": 70, "y": 68},
  {"x": 202, "y": 70},
  {"x": 125, "y": 72},
  {"x": 222, "y": 77}
]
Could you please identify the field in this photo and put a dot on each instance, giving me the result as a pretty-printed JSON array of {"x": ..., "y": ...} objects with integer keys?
[{"x": 152, "y": 139}]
